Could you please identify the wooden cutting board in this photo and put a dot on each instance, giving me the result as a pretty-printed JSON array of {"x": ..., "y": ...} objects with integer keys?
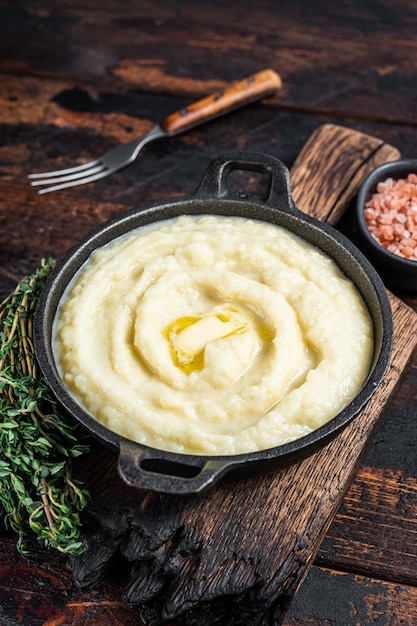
[{"x": 238, "y": 554}]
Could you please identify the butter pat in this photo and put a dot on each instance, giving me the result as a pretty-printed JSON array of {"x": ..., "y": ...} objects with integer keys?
[{"x": 193, "y": 339}]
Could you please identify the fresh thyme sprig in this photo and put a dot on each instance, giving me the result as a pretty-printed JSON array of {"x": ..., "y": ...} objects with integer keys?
[{"x": 37, "y": 442}]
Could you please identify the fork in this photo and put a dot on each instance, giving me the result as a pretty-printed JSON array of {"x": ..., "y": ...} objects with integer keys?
[{"x": 233, "y": 96}]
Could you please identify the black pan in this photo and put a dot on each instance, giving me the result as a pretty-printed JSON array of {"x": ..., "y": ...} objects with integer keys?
[{"x": 150, "y": 468}]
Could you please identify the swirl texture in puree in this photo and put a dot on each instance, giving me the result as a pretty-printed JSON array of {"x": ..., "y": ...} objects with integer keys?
[{"x": 212, "y": 335}]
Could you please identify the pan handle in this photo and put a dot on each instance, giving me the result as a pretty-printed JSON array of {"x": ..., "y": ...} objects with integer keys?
[
  {"x": 278, "y": 193},
  {"x": 150, "y": 469}
]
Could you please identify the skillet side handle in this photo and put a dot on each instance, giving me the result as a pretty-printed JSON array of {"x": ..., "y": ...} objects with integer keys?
[
  {"x": 152, "y": 470},
  {"x": 278, "y": 194}
]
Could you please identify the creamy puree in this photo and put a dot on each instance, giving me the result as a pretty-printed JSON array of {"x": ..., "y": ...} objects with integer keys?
[{"x": 211, "y": 335}]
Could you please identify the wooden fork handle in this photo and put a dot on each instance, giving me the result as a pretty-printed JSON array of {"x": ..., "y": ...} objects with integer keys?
[{"x": 233, "y": 96}]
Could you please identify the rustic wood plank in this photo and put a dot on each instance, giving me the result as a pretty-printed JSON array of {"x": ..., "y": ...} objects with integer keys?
[
  {"x": 393, "y": 445},
  {"x": 337, "y": 65},
  {"x": 374, "y": 531},
  {"x": 44, "y": 593},
  {"x": 56, "y": 124},
  {"x": 34, "y": 106},
  {"x": 45, "y": 589},
  {"x": 26, "y": 596},
  {"x": 330, "y": 597},
  {"x": 31, "y": 230}
]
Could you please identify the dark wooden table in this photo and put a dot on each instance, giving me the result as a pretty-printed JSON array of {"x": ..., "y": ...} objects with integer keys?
[{"x": 78, "y": 77}]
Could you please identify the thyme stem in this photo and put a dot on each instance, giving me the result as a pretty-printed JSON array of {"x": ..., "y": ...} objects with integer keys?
[{"x": 46, "y": 508}]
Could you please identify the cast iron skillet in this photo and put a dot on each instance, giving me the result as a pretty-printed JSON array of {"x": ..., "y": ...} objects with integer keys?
[{"x": 150, "y": 468}]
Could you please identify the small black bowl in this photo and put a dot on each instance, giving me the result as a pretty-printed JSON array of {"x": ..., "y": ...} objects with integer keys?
[{"x": 396, "y": 271}]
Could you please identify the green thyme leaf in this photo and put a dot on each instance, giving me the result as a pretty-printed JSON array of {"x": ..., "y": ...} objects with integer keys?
[{"x": 37, "y": 442}]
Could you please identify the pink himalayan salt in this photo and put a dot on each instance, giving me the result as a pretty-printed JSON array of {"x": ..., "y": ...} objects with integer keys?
[{"x": 391, "y": 216}]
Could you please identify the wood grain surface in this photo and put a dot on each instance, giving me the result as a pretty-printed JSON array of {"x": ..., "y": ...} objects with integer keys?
[{"x": 78, "y": 77}]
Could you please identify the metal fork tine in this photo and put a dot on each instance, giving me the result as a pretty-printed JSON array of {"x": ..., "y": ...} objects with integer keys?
[
  {"x": 64, "y": 179},
  {"x": 111, "y": 161},
  {"x": 68, "y": 170},
  {"x": 75, "y": 183}
]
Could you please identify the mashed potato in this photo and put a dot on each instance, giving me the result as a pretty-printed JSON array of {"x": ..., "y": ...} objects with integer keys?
[{"x": 211, "y": 335}]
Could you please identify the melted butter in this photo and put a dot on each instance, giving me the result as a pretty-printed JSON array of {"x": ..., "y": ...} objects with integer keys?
[
  {"x": 188, "y": 336},
  {"x": 187, "y": 365}
]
